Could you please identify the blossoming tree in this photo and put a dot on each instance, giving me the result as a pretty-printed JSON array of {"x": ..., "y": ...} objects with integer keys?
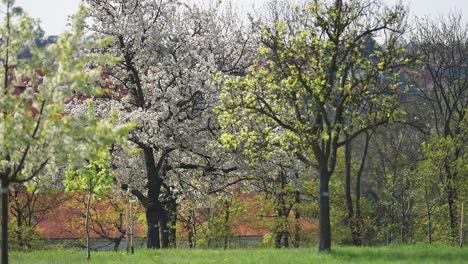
[
  {"x": 36, "y": 135},
  {"x": 169, "y": 55}
]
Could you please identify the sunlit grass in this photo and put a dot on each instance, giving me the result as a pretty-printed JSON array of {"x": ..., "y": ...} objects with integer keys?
[{"x": 388, "y": 254}]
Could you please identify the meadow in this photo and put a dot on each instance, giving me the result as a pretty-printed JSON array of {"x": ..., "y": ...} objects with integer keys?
[{"x": 339, "y": 254}]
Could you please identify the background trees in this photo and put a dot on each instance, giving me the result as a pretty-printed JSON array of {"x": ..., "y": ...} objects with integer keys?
[{"x": 443, "y": 47}]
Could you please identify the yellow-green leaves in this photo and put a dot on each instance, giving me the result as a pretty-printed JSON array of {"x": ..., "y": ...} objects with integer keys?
[
  {"x": 37, "y": 131},
  {"x": 93, "y": 176}
]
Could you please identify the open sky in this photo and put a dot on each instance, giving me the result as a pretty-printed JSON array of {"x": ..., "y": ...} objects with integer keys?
[{"x": 54, "y": 13}]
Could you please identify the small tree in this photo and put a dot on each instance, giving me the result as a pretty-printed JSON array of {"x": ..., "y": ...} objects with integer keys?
[{"x": 95, "y": 178}]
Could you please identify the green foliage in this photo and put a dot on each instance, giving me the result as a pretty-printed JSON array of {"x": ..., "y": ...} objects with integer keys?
[
  {"x": 95, "y": 177},
  {"x": 24, "y": 238},
  {"x": 298, "y": 95},
  {"x": 36, "y": 131},
  {"x": 442, "y": 157}
]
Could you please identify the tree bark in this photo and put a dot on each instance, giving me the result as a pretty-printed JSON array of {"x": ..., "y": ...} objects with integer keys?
[
  {"x": 169, "y": 218},
  {"x": 172, "y": 227},
  {"x": 88, "y": 251},
  {"x": 193, "y": 224},
  {"x": 153, "y": 214},
  {"x": 358, "y": 217},
  {"x": 324, "y": 201},
  {"x": 462, "y": 221},
  {"x": 152, "y": 221},
  {"x": 297, "y": 223},
  {"x": 452, "y": 210},
  {"x": 4, "y": 193},
  {"x": 429, "y": 227},
  {"x": 349, "y": 200},
  {"x": 164, "y": 228},
  {"x": 226, "y": 225}
]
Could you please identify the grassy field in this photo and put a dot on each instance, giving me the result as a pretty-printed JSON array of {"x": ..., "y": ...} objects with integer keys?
[{"x": 388, "y": 254}]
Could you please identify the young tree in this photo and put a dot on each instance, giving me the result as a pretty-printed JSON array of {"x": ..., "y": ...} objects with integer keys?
[
  {"x": 95, "y": 178},
  {"x": 314, "y": 74},
  {"x": 35, "y": 134}
]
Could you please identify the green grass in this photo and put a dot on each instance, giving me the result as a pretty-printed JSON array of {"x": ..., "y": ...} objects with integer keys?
[{"x": 388, "y": 254}]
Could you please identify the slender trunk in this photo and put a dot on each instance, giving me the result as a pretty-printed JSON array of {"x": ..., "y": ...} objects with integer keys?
[
  {"x": 132, "y": 248},
  {"x": 226, "y": 226},
  {"x": 429, "y": 227},
  {"x": 4, "y": 192},
  {"x": 4, "y": 176},
  {"x": 173, "y": 232},
  {"x": 428, "y": 211},
  {"x": 190, "y": 236},
  {"x": 297, "y": 223},
  {"x": 358, "y": 217},
  {"x": 173, "y": 223},
  {"x": 88, "y": 202},
  {"x": 349, "y": 199},
  {"x": 194, "y": 227},
  {"x": 403, "y": 224},
  {"x": 127, "y": 233},
  {"x": 210, "y": 219},
  {"x": 451, "y": 200},
  {"x": 324, "y": 201},
  {"x": 462, "y": 221}
]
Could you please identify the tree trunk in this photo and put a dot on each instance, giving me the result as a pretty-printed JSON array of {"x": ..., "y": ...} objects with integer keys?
[
  {"x": 152, "y": 221},
  {"x": 153, "y": 213},
  {"x": 170, "y": 220},
  {"x": 4, "y": 193},
  {"x": 132, "y": 248},
  {"x": 117, "y": 243},
  {"x": 297, "y": 219},
  {"x": 428, "y": 211},
  {"x": 452, "y": 212},
  {"x": 190, "y": 237},
  {"x": 193, "y": 224},
  {"x": 173, "y": 231},
  {"x": 349, "y": 200},
  {"x": 88, "y": 252},
  {"x": 358, "y": 217},
  {"x": 429, "y": 227},
  {"x": 164, "y": 228},
  {"x": 462, "y": 221},
  {"x": 324, "y": 201},
  {"x": 278, "y": 239},
  {"x": 127, "y": 233},
  {"x": 226, "y": 225},
  {"x": 286, "y": 239}
]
